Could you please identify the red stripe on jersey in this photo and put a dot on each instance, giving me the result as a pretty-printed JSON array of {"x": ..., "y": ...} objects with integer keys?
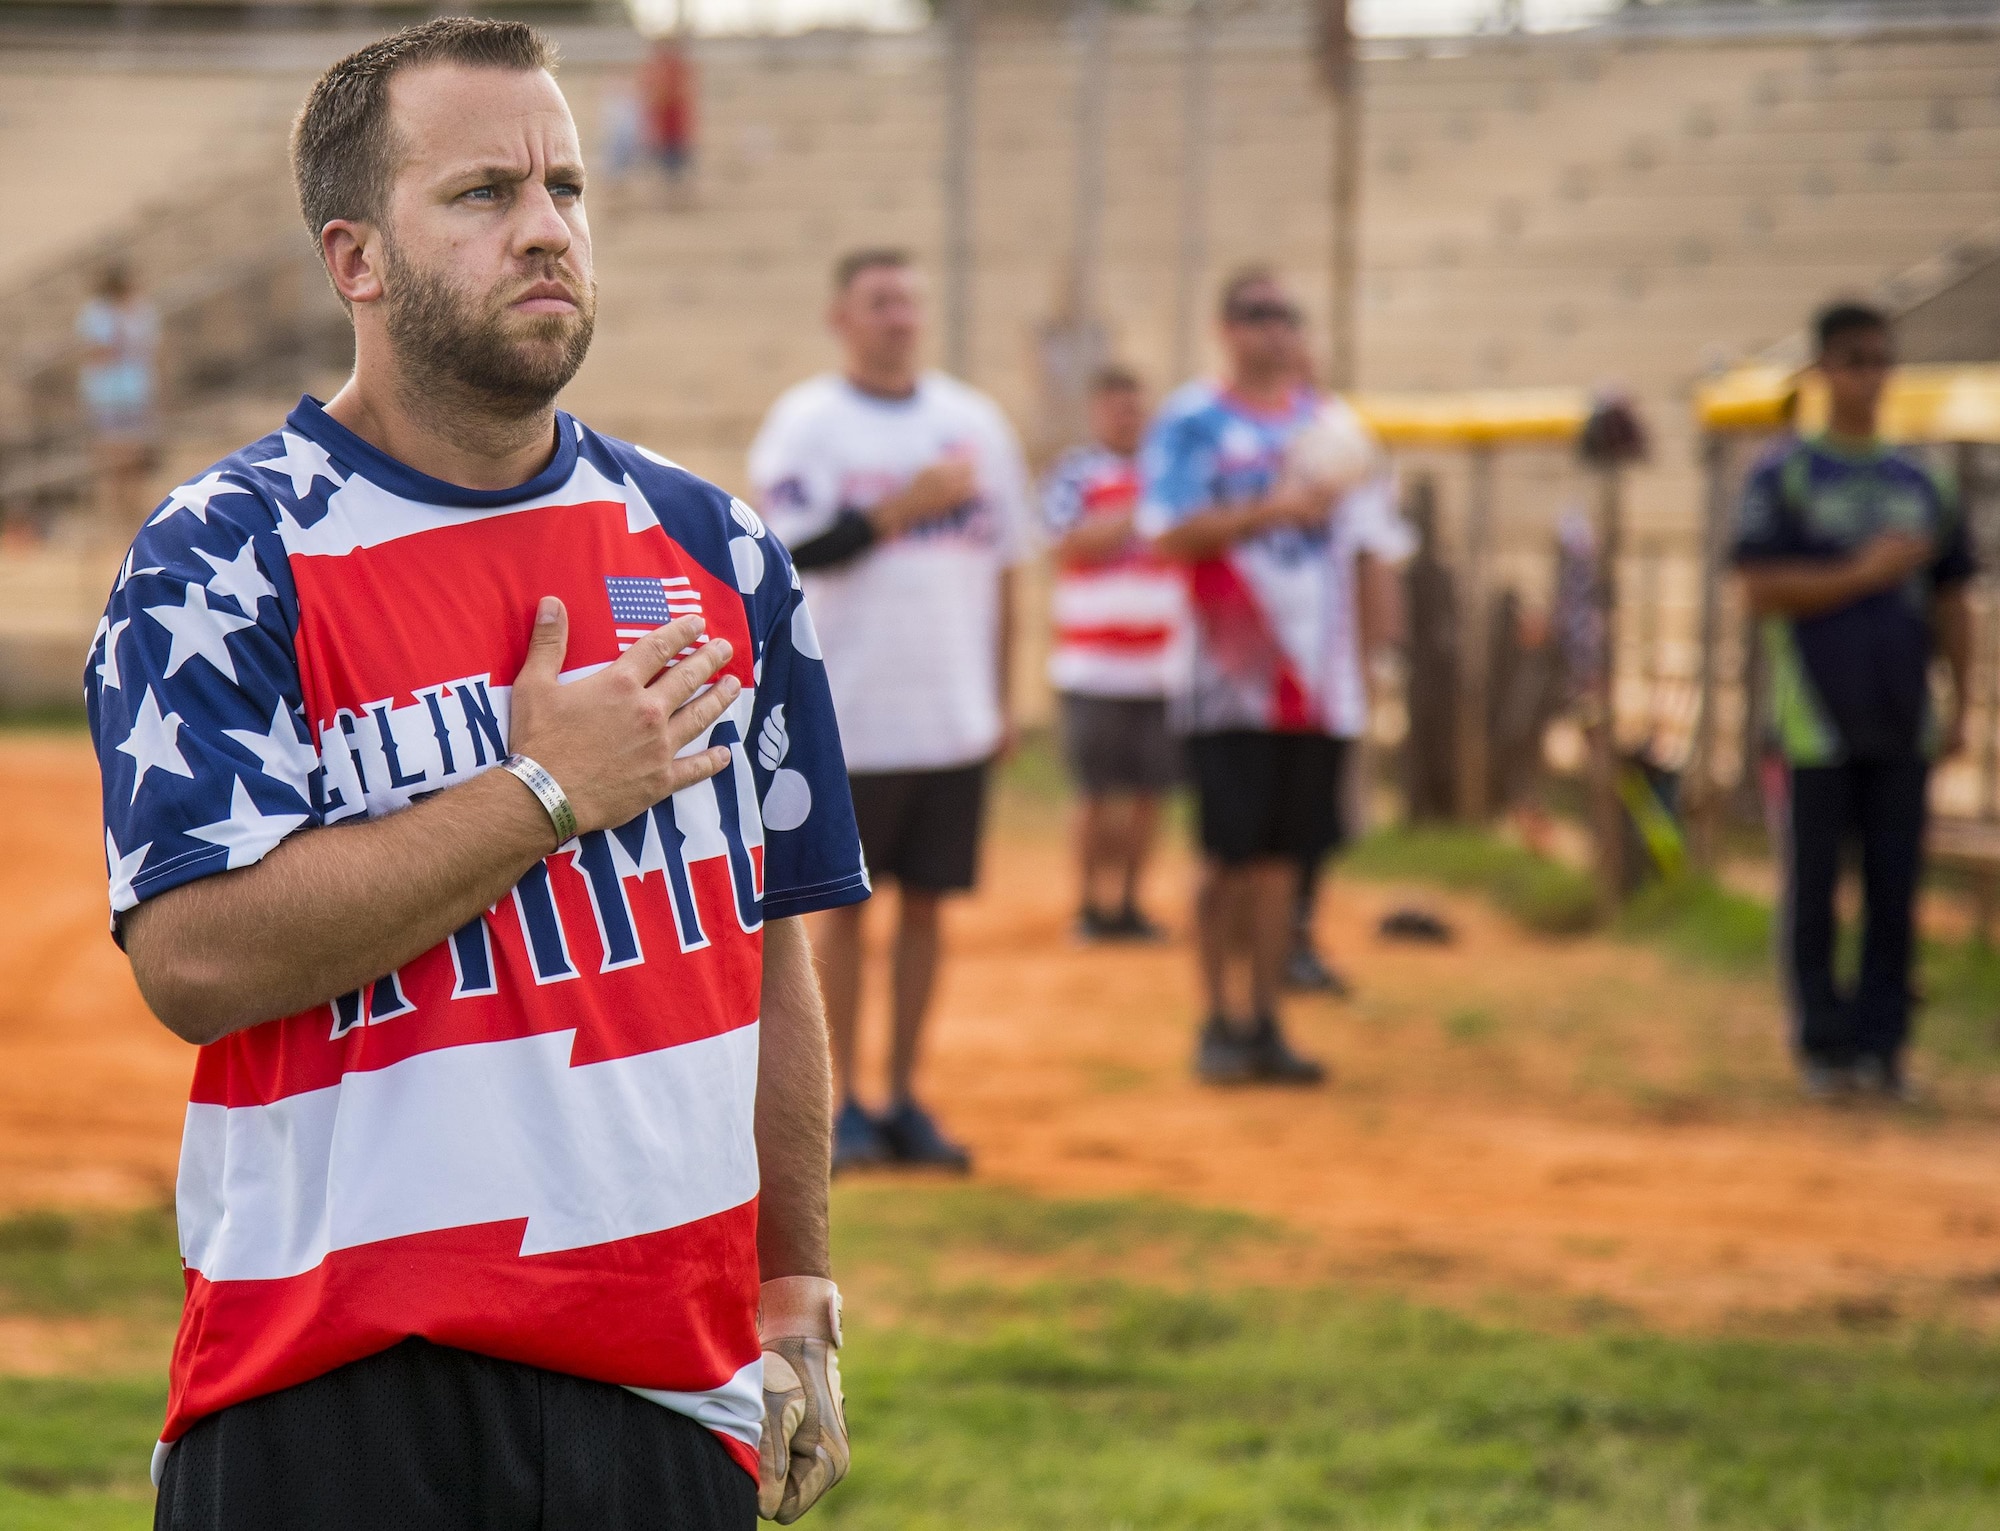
[
  {"x": 595, "y": 1312},
  {"x": 1112, "y": 494},
  {"x": 1238, "y": 637},
  {"x": 431, "y": 598},
  {"x": 1118, "y": 637}
]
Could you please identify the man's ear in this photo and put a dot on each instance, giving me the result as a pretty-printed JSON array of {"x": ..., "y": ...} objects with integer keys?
[{"x": 353, "y": 255}]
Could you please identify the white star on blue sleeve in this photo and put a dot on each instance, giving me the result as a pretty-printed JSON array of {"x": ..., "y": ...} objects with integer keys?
[
  {"x": 123, "y": 869},
  {"x": 303, "y": 462},
  {"x": 281, "y": 754},
  {"x": 239, "y": 578},
  {"x": 248, "y": 832},
  {"x": 127, "y": 573},
  {"x": 199, "y": 630},
  {"x": 107, "y": 667},
  {"x": 151, "y": 742},
  {"x": 193, "y": 498},
  {"x": 205, "y": 764}
]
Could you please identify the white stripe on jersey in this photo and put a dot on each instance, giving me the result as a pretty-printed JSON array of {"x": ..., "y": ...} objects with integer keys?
[{"x": 433, "y": 1142}]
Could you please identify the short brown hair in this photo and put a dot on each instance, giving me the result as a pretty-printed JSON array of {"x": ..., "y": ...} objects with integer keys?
[
  {"x": 342, "y": 150},
  {"x": 1242, "y": 279},
  {"x": 1115, "y": 377},
  {"x": 854, "y": 262}
]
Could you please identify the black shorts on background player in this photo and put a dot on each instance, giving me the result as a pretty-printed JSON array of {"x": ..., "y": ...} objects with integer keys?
[
  {"x": 1267, "y": 795},
  {"x": 425, "y": 1438},
  {"x": 922, "y": 827},
  {"x": 1114, "y": 744}
]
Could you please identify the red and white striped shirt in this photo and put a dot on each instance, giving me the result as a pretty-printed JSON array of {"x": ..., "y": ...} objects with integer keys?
[{"x": 1119, "y": 622}]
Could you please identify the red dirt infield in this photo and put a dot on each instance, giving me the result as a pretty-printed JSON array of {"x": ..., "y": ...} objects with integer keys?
[{"x": 1553, "y": 1125}]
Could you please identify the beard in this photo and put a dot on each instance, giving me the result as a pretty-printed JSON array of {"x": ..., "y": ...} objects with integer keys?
[{"x": 454, "y": 344}]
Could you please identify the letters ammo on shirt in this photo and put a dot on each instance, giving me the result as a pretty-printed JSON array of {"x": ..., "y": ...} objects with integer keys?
[
  {"x": 535, "y": 1140},
  {"x": 1852, "y": 683}
]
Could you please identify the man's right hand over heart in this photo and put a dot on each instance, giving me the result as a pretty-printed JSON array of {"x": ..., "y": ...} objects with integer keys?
[{"x": 613, "y": 740}]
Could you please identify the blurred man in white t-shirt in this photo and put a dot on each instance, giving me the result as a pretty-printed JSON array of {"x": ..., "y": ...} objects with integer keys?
[{"x": 904, "y": 499}]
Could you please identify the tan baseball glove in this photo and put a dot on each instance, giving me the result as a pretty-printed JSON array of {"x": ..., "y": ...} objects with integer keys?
[{"x": 804, "y": 1452}]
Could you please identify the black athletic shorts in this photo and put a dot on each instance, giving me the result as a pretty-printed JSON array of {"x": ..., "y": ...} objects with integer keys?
[
  {"x": 425, "y": 1438},
  {"x": 1264, "y": 795},
  {"x": 1119, "y": 743},
  {"x": 922, "y": 827}
]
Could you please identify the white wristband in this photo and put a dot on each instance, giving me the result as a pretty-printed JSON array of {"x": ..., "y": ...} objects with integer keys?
[{"x": 548, "y": 792}]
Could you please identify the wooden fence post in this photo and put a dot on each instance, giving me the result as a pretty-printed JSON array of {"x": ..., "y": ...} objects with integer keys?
[
  {"x": 1607, "y": 816},
  {"x": 1474, "y": 639}
]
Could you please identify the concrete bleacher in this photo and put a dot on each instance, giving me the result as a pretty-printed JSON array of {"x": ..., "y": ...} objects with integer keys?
[{"x": 1609, "y": 205}]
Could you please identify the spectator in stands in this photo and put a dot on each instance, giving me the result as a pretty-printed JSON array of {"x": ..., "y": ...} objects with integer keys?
[
  {"x": 1119, "y": 619},
  {"x": 1857, "y": 558},
  {"x": 666, "y": 95},
  {"x": 120, "y": 334},
  {"x": 905, "y": 501}
]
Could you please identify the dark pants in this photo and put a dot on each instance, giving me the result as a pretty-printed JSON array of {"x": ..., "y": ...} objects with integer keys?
[
  {"x": 1880, "y": 804},
  {"x": 426, "y": 1438}
]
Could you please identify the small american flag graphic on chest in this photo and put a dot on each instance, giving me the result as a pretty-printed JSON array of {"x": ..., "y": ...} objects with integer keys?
[{"x": 642, "y": 602}]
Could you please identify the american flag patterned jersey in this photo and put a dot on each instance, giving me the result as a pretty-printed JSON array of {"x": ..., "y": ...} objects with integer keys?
[{"x": 535, "y": 1141}]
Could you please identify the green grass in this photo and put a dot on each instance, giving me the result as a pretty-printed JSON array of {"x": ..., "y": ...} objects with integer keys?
[
  {"x": 1695, "y": 919},
  {"x": 1103, "y": 1404},
  {"x": 1960, "y": 1024},
  {"x": 1015, "y": 1362},
  {"x": 58, "y": 718},
  {"x": 59, "y": 1264},
  {"x": 1096, "y": 1397},
  {"x": 888, "y": 1229},
  {"x": 1542, "y": 894},
  {"x": 74, "y": 1453},
  {"x": 1702, "y": 922},
  {"x": 1471, "y": 1025}
]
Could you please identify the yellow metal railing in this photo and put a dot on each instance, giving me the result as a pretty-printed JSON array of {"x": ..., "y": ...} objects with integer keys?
[{"x": 1922, "y": 403}]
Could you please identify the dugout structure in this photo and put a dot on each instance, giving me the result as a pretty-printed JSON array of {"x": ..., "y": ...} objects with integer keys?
[
  {"x": 1481, "y": 424},
  {"x": 1954, "y": 413}
]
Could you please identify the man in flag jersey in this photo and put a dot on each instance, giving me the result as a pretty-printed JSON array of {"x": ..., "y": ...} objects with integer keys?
[
  {"x": 466, "y": 773},
  {"x": 1259, "y": 554}
]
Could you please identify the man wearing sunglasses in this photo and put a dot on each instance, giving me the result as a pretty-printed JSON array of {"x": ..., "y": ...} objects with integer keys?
[
  {"x": 1856, "y": 557},
  {"x": 1257, "y": 549}
]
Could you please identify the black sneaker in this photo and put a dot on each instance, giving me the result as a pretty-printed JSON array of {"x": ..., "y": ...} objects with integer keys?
[
  {"x": 1884, "y": 1078},
  {"x": 913, "y": 1138},
  {"x": 1304, "y": 971},
  {"x": 1134, "y": 926},
  {"x": 857, "y": 1139},
  {"x": 1091, "y": 925},
  {"x": 1825, "y": 1081},
  {"x": 1273, "y": 1060},
  {"x": 1222, "y": 1055}
]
